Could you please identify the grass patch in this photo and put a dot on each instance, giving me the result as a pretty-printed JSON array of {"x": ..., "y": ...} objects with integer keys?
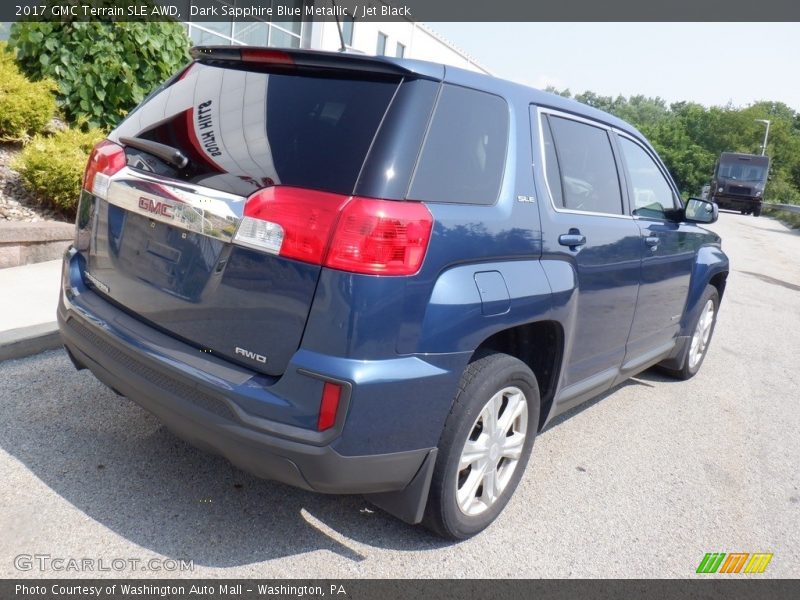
[{"x": 789, "y": 219}]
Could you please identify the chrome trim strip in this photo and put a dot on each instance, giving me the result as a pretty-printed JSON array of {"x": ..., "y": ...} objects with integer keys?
[{"x": 184, "y": 205}]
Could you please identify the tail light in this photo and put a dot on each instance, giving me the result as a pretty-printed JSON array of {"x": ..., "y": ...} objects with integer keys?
[
  {"x": 359, "y": 235},
  {"x": 380, "y": 237},
  {"x": 106, "y": 159},
  {"x": 331, "y": 393},
  {"x": 292, "y": 222}
]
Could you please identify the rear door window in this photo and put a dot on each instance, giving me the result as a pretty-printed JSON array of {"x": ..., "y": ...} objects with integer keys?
[
  {"x": 464, "y": 154},
  {"x": 245, "y": 130},
  {"x": 588, "y": 171}
]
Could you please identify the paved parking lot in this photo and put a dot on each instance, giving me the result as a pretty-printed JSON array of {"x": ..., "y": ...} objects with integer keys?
[{"x": 641, "y": 483}]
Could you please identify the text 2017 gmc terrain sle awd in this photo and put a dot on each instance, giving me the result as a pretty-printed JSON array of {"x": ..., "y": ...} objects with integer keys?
[{"x": 379, "y": 276}]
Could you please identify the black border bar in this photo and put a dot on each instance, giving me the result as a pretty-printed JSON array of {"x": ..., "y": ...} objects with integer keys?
[
  {"x": 400, "y": 10},
  {"x": 734, "y": 587}
]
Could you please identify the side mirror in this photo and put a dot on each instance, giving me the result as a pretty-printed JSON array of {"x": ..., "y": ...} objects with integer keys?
[{"x": 701, "y": 211}]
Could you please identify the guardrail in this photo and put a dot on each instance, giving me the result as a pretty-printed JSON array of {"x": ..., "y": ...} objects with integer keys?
[{"x": 792, "y": 208}]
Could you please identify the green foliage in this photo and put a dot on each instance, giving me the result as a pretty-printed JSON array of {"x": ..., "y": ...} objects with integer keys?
[
  {"x": 102, "y": 69},
  {"x": 6, "y": 54},
  {"x": 52, "y": 167},
  {"x": 25, "y": 106},
  {"x": 788, "y": 218},
  {"x": 690, "y": 137}
]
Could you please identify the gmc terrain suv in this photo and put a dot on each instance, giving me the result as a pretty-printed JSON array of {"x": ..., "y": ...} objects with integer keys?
[{"x": 379, "y": 276}]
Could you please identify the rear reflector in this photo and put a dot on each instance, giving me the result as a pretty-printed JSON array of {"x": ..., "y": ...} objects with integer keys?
[
  {"x": 331, "y": 393},
  {"x": 106, "y": 159},
  {"x": 359, "y": 235}
]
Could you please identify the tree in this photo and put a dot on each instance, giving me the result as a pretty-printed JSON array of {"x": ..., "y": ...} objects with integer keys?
[
  {"x": 102, "y": 69},
  {"x": 689, "y": 137}
]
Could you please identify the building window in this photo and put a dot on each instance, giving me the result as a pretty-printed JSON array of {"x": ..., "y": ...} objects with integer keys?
[
  {"x": 258, "y": 32},
  {"x": 254, "y": 33},
  {"x": 401, "y": 50},
  {"x": 347, "y": 30},
  {"x": 382, "y": 39}
]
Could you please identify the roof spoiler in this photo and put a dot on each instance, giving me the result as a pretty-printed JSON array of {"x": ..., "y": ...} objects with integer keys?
[{"x": 316, "y": 60}]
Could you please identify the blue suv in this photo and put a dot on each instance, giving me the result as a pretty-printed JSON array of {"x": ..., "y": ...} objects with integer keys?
[{"x": 380, "y": 276}]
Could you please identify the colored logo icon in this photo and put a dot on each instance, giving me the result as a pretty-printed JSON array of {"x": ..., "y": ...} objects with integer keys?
[{"x": 734, "y": 562}]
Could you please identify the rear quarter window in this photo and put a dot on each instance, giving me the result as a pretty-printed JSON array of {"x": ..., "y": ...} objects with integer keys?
[{"x": 464, "y": 154}]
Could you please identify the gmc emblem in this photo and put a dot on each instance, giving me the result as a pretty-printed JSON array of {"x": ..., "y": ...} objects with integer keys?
[{"x": 158, "y": 208}]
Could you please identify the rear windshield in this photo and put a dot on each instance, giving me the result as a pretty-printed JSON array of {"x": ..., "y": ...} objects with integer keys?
[{"x": 244, "y": 130}]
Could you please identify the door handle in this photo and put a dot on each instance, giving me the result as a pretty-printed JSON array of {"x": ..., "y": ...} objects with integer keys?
[
  {"x": 573, "y": 239},
  {"x": 651, "y": 241}
]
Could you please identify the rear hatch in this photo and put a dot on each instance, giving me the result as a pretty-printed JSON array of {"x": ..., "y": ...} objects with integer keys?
[{"x": 158, "y": 234}]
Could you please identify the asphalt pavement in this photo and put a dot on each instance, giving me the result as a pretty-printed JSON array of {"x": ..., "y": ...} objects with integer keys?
[{"x": 639, "y": 483}]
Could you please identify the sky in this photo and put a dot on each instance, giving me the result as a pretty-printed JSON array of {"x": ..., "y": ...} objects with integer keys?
[{"x": 709, "y": 63}]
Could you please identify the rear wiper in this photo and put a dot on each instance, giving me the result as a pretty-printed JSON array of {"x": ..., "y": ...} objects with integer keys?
[{"x": 166, "y": 153}]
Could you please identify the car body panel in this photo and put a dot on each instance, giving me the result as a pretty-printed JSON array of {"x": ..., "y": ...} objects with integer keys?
[{"x": 174, "y": 300}]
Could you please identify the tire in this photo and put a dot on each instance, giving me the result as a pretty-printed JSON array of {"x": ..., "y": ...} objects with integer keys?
[
  {"x": 757, "y": 211},
  {"x": 702, "y": 332},
  {"x": 459, "y": 504},
  {"x": 743, "y": 211}
]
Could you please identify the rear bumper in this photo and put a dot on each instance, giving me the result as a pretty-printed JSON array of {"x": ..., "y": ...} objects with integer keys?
[
  {"x": 202, "y": 421},
  {"x": 162, "y": 375}
]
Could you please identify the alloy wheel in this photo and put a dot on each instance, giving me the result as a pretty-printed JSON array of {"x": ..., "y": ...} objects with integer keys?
[
  {"x": 492, "y": 451},
  {"x": 702, "y": 333}
]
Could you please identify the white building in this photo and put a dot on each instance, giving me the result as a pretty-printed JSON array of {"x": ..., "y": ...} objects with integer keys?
[{"x": 405, "y": 38}]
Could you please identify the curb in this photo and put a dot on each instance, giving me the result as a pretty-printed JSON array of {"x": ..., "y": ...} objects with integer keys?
[{"x": 27, "y": 341}]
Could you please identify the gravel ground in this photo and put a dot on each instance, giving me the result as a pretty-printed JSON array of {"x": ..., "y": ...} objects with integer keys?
[
  {"x": 17, "y": 203},
  {"x": 640, "y": 483}
]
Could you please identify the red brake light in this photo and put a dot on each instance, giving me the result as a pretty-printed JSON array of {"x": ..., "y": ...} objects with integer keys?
[
  {"x": 359, "y": 235},
  {"x": 331, "y": 393},
  {"x": 106, "y": 159},
  {"x": 304, "y": 217},
  {"x": 380, "y": 237},
  {"x": 263, "y": 55}
]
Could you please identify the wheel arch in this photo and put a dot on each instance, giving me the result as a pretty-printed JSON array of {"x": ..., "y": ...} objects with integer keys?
[
  {"x": 540, "y": 345},
  {"x": 710, "y": 268}
]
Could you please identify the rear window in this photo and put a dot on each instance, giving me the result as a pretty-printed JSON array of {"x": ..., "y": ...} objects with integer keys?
[
  {"x": 464, "y": 153},
  {"x": 244, "y": 130}
]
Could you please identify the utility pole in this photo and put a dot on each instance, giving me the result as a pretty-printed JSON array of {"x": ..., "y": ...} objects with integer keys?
[{"x": 766, "y": 134}]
